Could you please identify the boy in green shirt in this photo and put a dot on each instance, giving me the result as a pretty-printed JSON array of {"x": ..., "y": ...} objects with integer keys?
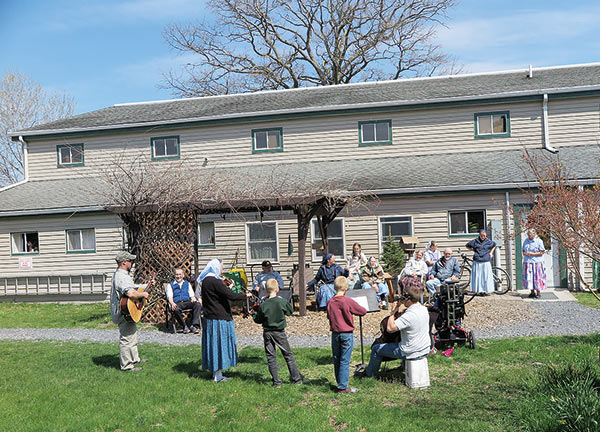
[{"x": 271, "y": 314}]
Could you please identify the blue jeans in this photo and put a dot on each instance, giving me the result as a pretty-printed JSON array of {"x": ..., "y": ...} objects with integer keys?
[
  {"x": 378, "y": 352},
  {"x": 326, "y": 293},
  {"x": 341, "y": 347},
  {"x": 383, "y": 288},
  {"x": 432, "y": 285}
]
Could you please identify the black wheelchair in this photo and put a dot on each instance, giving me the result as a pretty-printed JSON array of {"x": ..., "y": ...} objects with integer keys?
[{"x": 450, "y": 309}]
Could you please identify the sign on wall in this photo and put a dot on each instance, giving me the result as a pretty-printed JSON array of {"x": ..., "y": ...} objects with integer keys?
[{"x": 25, "y": 263}]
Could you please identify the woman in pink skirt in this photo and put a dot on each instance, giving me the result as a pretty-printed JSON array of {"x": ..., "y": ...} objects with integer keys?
[{"x": 534, "y": 274}]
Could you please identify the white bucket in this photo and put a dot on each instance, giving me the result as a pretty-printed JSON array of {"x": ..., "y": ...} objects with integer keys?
[{"x": 417, "y": 373}]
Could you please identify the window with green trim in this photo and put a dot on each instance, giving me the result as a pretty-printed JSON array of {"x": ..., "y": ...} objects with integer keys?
[
  {"x": 492, "y": 125},
  {"x": 206, "y": 234},
  {"x": 466, "y": 222},
  {"x": 374, "y": 132},
  {"x": 69, "y": 155},
  {"x": 267, "y": 140},
  {"x": 81, "y": 240},
  {"x": 165, "y": 148},
  {"x": 25, "y": 243}
]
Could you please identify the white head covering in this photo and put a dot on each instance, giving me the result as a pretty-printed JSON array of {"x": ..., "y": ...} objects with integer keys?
[{"x": 213, "y": 268}]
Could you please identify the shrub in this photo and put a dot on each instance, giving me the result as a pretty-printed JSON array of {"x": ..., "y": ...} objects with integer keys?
[
  {"x": 564, "y": 398},
  {"x": 393, "y": 256}
]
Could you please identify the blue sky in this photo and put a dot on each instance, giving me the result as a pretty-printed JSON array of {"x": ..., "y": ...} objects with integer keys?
[{"x": 107, "y": 52}]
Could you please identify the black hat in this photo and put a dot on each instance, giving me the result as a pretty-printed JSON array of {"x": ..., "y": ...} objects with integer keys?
[{"x": 266, "y": 263}]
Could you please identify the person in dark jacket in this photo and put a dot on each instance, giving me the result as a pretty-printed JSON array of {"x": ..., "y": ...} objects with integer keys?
[
  {"x": 219, "y": 349},
  {"x": 327, "y": 273},
  {"x": 482, "y": 278}
]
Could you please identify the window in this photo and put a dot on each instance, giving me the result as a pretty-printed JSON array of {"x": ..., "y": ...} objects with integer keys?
[
  {"x": 395, "y": 226},
  {"x": 466, "y": 222},
  {"x": 492, "y": 125},
  {"x": 267, "y": 140},
  {"x": 25, "y": 243},
  {"x": 69, "y": 155},
  {"x": 165, "y": 148},
  {"x": 81, "y": 240},
  {"x": 261, "y": 242},
  {"x": 206, "y": 234},
  {"x": 335, "y": 237},
  {"x": 374, "y": 132}
]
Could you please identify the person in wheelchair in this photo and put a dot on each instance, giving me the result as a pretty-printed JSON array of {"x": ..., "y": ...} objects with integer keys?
[
  {"x": 258, "y": 285},
  {"x": 372, "y": 277},
  {"x": 445, "y": 268},
  {"x": 327, "y": 273},
  {"x": 416, "y": 268}
]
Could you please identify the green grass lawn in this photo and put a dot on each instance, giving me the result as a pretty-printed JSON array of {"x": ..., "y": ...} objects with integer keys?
[
  {"x": 53, "y": 315},
  {"x": 587, "y": 299},
  {"x": 56, "y": 386}
]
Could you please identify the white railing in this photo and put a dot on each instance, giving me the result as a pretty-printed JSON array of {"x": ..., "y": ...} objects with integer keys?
[{"x": 94, "y": 282}]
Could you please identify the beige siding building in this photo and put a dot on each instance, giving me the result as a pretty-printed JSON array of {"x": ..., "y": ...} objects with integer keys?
[{"x": 442, "y": 155}]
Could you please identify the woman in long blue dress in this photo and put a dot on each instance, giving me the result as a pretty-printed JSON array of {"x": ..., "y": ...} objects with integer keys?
[
  {"x": 219, "y": 349},
  {"x": 482, "y": 278},
  {"x": 327, "y": 273}
]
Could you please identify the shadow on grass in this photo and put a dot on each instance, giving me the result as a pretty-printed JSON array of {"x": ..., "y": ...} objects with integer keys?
[
  {"x": 192, "y": 369},
  {"x": 320, "y": 358},
  {"x": 110, "y": 361},
  {"x": 250, "y": 358}
]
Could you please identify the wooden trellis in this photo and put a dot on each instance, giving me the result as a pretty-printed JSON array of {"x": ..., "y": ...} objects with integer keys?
[{"x": 162, "y": 241}]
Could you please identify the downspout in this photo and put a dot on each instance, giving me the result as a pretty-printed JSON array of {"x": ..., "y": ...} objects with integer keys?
[
  {"x": 508, "y": 251},
  {"x": 25, "y": 158},
  {"x": 546, "y": 144}
]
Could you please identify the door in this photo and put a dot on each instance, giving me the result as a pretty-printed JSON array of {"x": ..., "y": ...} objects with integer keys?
[{"x": 552, "y": 257}]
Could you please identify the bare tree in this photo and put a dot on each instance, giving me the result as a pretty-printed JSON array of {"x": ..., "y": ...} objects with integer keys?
[
  {"x": 279, "y": 44},
  {"x": 24, "y": 104},
  {"x": 565, "y": 210}
]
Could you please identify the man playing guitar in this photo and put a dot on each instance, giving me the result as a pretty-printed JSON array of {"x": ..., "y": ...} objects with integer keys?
[{"x": 123, "y": 285}]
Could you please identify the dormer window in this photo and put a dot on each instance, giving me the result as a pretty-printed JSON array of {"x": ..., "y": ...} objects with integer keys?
[{"x": 69, "y": 155}]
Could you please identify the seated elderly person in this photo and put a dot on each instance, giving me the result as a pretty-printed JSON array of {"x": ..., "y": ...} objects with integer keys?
[
  {"x": 180, "y": 296},
  {"x": 445, "y": 268},
  {"x": 260, "y": 281},
  {"x": 327, "y": 273},
  {"x": 372, "y": 277},
  {"x": 413, "y": 325}
]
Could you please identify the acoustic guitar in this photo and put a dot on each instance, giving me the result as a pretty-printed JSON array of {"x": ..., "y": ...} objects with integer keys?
[{"x": 132, "y": 309}]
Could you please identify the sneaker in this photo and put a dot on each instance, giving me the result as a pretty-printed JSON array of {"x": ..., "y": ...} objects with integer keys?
[
  {"x": 384, "y": 306},
  {"x": 135, "y": 369},
  {"x": 142, "y": 361},
  {"x": 194, "y": 329},
  {"x": 531, "y": 295},
  {"x": 223, "y": 379},
  {"x": 186, "y": 330},
  {"x": 347, "y": 390},
  {"x": 277, "y": 385}
]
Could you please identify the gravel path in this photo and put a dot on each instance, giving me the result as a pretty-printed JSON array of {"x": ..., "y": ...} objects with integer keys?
[{"x": 546, "y": 318}]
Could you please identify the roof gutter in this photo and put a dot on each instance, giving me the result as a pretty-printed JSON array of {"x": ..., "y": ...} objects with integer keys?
[
  {"x": 37, "y": 212},
  {"x": 546, "y": 144},
  {"x": 354, "y": 107}
]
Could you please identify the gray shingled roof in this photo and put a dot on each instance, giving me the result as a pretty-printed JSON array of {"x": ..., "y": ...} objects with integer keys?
[
  {"x": 404, "y": 91},
  {"x": 415, "y": 174}
]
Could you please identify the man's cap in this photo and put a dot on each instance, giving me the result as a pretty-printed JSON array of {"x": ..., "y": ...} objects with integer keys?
[
  {"x": 124, "y": 256},
  {"x": 266, "y": 263}
]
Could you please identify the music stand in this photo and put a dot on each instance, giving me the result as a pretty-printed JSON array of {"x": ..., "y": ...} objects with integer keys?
[{"x": 367, "y": 298}]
